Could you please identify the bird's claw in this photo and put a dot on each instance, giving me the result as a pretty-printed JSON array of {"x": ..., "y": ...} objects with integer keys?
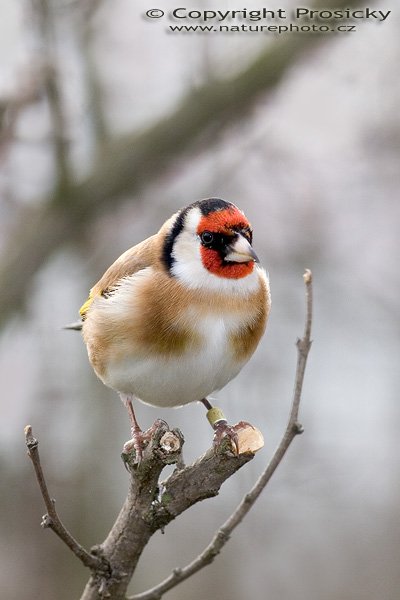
[
  {"x": 223, "y": 430},
  {"x": 140, "y": 440},
  {"x": 136, "y": 443}
]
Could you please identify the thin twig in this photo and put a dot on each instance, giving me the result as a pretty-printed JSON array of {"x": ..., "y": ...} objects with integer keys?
[
  {"x": 293, "y": 428},
  {"x": 51, "y": 519}
]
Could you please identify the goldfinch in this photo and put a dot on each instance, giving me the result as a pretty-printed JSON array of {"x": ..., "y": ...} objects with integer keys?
[{"x": 177, "y": 316}]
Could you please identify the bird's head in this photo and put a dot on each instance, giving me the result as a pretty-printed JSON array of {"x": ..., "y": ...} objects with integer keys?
[{"x": 209, "y": 244}]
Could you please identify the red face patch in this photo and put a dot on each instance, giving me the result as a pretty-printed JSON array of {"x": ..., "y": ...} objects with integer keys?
[{"x": 225, "y": 222}]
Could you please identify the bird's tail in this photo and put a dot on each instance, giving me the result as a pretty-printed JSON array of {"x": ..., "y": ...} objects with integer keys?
[{"x": 77, "y": 326}]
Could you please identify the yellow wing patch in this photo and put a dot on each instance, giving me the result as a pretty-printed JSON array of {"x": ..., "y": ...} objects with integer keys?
[{"x": 85, "y": 307}]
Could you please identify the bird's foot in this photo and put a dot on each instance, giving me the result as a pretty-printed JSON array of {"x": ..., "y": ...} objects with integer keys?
[
  {"x": 243, "y": 436},
  {"x": 137, "y": 443},
  {"x": 140, "y": 440},
  {"x": 222, "y": 431}
]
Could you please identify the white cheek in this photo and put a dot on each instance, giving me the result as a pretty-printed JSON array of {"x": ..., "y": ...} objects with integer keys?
[{"x": 187, "y": 249}]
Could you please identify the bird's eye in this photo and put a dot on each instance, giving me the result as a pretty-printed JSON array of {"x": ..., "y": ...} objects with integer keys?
[{"x": 207, "y": 238}]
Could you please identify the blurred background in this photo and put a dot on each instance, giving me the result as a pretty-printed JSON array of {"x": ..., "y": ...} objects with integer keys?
[{"x": 109, "y": 124}]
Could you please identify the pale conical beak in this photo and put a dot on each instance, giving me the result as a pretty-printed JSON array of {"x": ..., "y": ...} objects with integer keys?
[{"x": 241, "y": 251}]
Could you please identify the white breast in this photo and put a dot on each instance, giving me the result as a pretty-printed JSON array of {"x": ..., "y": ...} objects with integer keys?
[{"x": 173, "y": 381}]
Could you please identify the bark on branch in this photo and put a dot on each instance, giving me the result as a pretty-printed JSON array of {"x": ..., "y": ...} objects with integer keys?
[{"x": 151, "y": 504}]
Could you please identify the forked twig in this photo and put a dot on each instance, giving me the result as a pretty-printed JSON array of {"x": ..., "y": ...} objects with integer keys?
[
  {"x": 51, "y": 518},
  {"x": 293, "y": 428}
]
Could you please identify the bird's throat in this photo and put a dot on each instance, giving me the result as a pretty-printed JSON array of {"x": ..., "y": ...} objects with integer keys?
[{"x": 215, "y": 264}]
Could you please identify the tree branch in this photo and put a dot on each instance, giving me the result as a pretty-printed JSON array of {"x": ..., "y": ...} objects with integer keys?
[
  {"x": 51, "y": 519},
  {"x": 293, "y": 428},
  {"x": 151, "y": 505}
]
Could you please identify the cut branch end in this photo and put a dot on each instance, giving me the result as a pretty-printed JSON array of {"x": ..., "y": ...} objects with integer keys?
[{"x": 307, "y": 276}]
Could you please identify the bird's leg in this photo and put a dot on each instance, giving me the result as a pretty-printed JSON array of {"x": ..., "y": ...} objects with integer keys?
[
  {"x": 137, "y": 434},
  {"x": 220, "y": 425},
  {"x": 139, "y": 438}
]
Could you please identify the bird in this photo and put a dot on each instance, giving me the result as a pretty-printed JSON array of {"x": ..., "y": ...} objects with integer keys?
[{"x": 177, "y": 316}]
